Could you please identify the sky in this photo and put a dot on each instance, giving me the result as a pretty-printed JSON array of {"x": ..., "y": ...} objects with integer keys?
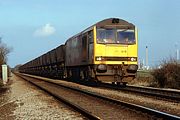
[{"x": 33, "y": 27}]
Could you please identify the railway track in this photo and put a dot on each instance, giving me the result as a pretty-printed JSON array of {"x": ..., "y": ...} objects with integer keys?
[
  {"x": 39, "y": 83},
  {"x": 95, "y": 106},
  {"x": 168, "y": 94}
]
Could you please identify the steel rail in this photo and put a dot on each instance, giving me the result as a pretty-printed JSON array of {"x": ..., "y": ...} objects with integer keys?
[{"x": 157, "y": 92}]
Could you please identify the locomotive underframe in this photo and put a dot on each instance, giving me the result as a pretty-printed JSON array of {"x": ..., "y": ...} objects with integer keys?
[
  {"x": 116, "y": 73},
  {"x": 110, "y": 73}
]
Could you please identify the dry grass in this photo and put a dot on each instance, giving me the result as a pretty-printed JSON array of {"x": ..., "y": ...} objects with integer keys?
[
  {"x": 168, "y": 75},
  {"x": 1, "y": 84},
  {"x": 144, "y": 78}
]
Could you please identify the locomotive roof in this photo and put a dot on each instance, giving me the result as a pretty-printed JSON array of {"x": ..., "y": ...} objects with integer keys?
[
  {"x": 114, "y": 21},
  {"x": 110, "y": 22}
]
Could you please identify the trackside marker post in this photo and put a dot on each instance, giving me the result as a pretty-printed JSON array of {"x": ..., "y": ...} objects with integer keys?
[{"x": 4, "y": 74}]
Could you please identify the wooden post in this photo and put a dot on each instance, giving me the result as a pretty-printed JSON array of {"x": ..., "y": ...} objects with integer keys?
[{"x": 4, "y": 74}]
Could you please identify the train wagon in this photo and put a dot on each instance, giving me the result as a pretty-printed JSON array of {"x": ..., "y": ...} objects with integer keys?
[
  {"x": 60, "y": 64},
  {"x": 106, "y": 51}
]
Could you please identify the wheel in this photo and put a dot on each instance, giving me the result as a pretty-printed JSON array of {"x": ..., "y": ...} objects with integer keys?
[
  {"x": 118, "y": 83},
  {"x": 124, "y": 84}
]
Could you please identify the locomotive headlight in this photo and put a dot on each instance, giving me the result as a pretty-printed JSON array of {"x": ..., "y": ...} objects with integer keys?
[
  {"x": 98, "y": 58},
  {"x": 133, "y": 59}
]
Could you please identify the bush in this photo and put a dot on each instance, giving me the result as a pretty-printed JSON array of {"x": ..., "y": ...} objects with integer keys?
[
  {"x": 4, "y": 51},
  {"x": 168, "y": 75}
]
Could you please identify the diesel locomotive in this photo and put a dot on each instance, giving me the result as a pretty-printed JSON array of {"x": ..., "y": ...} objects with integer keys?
[{"x": 107, "y": 52}]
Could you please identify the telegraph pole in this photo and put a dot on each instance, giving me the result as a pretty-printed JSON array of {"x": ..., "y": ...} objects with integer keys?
[
  {"x": 177, "y": 52},
  {"x": 146, "y": 56}
]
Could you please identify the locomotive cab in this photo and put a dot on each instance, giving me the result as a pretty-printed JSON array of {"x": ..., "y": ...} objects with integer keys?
[{"x": 115, "y": 51}]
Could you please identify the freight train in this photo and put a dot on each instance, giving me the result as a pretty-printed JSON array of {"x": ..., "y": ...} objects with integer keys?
[{"x": 105, "y": 52}]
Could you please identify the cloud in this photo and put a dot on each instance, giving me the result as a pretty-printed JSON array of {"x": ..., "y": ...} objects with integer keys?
[{"x": 45, "y": 31}]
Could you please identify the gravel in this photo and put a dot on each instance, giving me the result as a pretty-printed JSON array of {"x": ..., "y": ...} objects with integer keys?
[
  {"x": 158, "y": 104},
  {"x": 24, "y": 101},
  {"x": 98, "y": 107}
]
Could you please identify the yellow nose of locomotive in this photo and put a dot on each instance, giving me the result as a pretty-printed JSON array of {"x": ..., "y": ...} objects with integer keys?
[{"x": 115, "y": 59}]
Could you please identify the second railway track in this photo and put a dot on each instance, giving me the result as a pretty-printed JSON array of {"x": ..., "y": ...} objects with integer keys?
[
  {"x": 168, "y": 94},
  {"x": 99, "y": 106}
]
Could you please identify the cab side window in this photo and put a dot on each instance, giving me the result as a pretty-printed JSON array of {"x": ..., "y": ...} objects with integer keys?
[{"x": 90, "y": 37}]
